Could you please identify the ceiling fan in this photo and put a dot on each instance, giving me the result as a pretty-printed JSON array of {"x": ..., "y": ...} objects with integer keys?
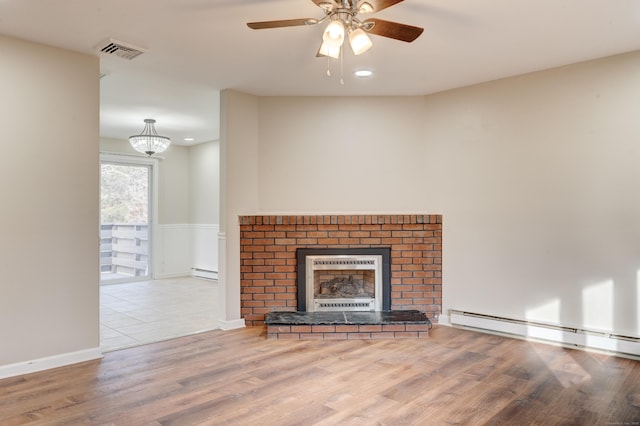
[{"x": 343, "y": 18}]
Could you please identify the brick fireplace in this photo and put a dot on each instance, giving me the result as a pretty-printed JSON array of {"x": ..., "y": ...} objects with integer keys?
[{"x": 268, "y": 246}]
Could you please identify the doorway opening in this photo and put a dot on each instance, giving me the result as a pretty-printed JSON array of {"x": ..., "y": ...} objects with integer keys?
[{"x": 125, "y": 220}]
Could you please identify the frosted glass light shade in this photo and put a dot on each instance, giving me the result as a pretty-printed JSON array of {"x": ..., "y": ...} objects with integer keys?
[
  {"x": 149, "y": 142},
  {"x": 327, "y": 49},
  {"x": 360, "y": 41},
  {"x": 334, "y": 33}
]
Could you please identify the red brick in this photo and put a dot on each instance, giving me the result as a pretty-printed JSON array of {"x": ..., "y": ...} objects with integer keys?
[
  {"x": 346, "y": 328},
  {"x": 325, "y": 227},
  {"x": 285, "y": 241},
  {"x": 369, "y": 328},
  {"x": 354, "y": 336},
  {"x": 263, "y": 296},
  {"x": 334, "y": 336},
  {"x": 371, "y": 241},
  {"x": 328, "y": 241},
  {"x": 285, "y": 296},
  {"x": 323, "y": 328},
  {"x": 311, "y": 336},
  {"x": 301, "y": 329},
  {"x": 417, "y": 327},
  {"x": 288, "y": 336},
  {"x": 406, "y": 334},
  {"x": 393, "y": 327},
  {"x": 307, "y": 241},
  {"x": 266, "y": 268},
  {"x": 359, "y": 234},
  {"x": 253, "y": 276},
  {"x": 382, "y": 335}
]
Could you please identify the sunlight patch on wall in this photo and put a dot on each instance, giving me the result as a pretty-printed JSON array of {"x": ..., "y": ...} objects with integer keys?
[
  {"x": 549, "y": 313},
  {"x": 597, "y": 306}
]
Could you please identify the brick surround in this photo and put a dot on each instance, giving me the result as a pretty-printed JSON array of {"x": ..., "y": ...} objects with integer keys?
[
  {"x": 347, "y": 332},
  {"x": 268, "y": 247}
]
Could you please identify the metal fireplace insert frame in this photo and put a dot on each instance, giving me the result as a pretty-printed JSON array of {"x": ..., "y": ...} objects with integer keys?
[{"x": 301, "y": 269}]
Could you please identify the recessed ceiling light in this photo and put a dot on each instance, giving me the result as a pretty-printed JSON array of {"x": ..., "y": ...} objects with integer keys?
[
  {"x": 363, "y": 73},
  {"x": 189, "y": 139}
]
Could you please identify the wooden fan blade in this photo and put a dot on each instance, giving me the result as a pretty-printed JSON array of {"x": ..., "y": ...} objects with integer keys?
[
  {"x": 394, "y": 30},
  {"x": 278, "y": 24},
  {"x": 376, "y": 5}
]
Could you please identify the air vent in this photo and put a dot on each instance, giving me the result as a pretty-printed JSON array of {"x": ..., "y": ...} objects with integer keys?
[{"x": 119, "y": 48}]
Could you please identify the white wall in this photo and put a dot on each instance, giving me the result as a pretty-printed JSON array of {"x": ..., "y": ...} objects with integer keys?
[
  {"x": 238, "y": 192},
  {"x": 539, "y": 178},
  {"x": 535, "y": 176},
  {"x": 204, "y": 183},
  {"x": 49, "y": 215},
  {"x": 340, "y": 154},
  {"x": 204, "y": 207}
]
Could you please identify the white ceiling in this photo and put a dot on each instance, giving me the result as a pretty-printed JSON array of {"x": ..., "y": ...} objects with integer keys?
[{"x": 198, "y": 47}]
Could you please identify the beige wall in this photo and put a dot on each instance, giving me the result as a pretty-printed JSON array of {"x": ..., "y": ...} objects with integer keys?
[
  {"x": 204, "y": 183},
  {"x": 49, "y": 215},
  {"x": 540, "y": 176},
  {"x": 238, "y": 192},
  {"x": 536, "y": 177},
  {"x": 340, "y": 154}
]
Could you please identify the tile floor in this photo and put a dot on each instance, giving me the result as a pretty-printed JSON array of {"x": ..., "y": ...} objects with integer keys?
[{"x": 136, "y": 313}]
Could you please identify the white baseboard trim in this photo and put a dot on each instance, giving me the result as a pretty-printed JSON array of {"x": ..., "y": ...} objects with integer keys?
[
  {"x": 40, "y": 364},
  {"x": 444, "y": 320},
  {"x": 565, "y": 336},
  {"x": 231, "y": 325},
  {"x": 176, "y": 275},
  {"x": 204, "y": 273}
]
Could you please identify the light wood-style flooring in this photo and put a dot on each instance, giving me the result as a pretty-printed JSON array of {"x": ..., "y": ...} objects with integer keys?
[{"x": 454, "y": 377}]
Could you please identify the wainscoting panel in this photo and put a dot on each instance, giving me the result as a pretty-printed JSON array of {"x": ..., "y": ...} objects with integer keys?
[
  {"x": 204, "y": 250},
  {"x": 174, "y": 251}
]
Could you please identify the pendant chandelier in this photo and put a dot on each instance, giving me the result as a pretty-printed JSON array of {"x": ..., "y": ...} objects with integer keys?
[{"x": 149, "y": 142}]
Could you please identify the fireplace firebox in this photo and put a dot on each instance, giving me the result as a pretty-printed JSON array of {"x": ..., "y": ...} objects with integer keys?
[{"x": 345, "y": 279}]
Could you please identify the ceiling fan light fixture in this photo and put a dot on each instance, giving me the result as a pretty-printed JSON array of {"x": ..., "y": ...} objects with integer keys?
[
  {"x": 359, "y": 41},
  {"x": 330, "y": 50},
  {"x": 149, "y": 142},
  {"x": 334, "y": 33},
  {"x": 365, "y": 7}
]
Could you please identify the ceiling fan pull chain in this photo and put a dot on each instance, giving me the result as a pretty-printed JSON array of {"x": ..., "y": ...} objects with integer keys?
[{"x": 328, "y": 69}]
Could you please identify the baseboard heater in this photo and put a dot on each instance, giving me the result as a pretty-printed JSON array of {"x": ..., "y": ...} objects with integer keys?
[
  {"x": 566, "y": 336},
  {"x": 204, "y": 273}
]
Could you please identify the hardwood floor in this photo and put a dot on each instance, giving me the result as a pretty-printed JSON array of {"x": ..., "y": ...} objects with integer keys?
[{"x": 241, "y": 378}]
